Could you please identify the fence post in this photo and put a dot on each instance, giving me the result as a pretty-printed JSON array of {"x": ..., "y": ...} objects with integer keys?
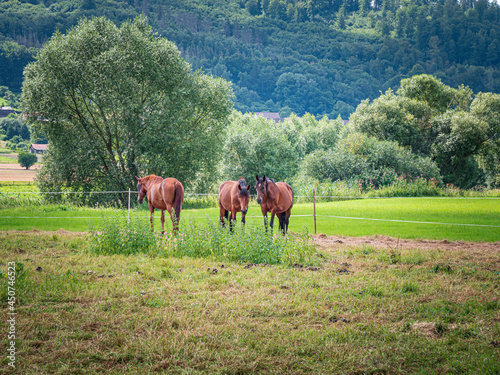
[
  {"x": 314, "y": 206},
  {"x": 128, "y": 205}
]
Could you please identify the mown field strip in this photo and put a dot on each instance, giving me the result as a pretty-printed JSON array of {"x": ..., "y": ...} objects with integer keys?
[
  {"x": 318, "y": 216},
  {"x": 468, "y": 220}
]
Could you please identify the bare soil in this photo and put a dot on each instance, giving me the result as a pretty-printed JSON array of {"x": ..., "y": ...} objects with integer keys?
[
  {"x": 384, "y": 242},
  {"x": 14, "y": 172}
]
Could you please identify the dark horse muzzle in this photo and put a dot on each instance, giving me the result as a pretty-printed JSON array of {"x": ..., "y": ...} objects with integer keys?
[{"x": 259, "y": 200}]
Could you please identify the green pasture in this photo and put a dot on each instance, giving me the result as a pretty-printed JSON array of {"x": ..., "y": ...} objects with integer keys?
[
  {"x": 474, "y": 219},
  {"x": 7, "y": 160}
]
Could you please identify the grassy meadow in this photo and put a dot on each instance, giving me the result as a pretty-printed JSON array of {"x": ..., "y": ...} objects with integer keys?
[
  {"x": 428, "y": 218},
  {"x": 359, "y": 310},
  {"x": 112, "y": 297}
]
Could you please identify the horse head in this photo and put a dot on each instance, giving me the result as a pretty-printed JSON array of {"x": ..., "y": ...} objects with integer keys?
[
  {"x": 261, "y": 186},
  {"x": 243, "y": 195},
  {"x": 141, "y": 189}
]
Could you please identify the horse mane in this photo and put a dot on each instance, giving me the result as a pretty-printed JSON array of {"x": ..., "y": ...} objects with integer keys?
[{"x": 152, "y": 178}]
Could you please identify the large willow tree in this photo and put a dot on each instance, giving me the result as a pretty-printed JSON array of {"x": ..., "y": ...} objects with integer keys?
[{"x": 115, "y": 102}]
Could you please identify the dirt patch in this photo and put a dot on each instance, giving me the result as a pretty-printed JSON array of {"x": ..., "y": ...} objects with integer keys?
[
  {"x": 384, "y": 242},
  {"x": 14, "y": 172},
  {"x": 431, "y": 329},
  {"x": 43, "y": 232},
  {"x": 339, "y": 242}
]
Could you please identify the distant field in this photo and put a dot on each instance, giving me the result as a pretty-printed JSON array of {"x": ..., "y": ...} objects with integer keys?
[
  {"x": 7, "y": 159},
  {"x": 426, "y": 218},
  {"x": 14, "y": 172}
]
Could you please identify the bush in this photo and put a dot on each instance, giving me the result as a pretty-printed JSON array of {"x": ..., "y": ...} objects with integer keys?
[{"x": 372, "y": 162}]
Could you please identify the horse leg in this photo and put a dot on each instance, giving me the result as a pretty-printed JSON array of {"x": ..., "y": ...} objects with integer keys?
[
  {"x": 243, "y": 219},
  {"x": 265, "y": 221},
  {"x": 173, "y": 218},
  {"x": 281, "y": 218},
  {"x": 288, "y": 213},
  {"x": 151, "y": 210},
  {"x": 271, "y": 224},
  {"x": 232, "y": 220},
  {"x": 162, "y": 221},
  {"x": 222, "y": 214}
]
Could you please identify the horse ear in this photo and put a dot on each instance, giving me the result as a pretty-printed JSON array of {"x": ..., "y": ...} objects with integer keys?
[
  {"x": 239, "y": 187},
  {"x": 138, "y": 179},
  {"x": 248, "y": 187},
  {"x": 257, "y": 177}
]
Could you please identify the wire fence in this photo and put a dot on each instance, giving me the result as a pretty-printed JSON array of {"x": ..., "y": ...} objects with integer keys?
[
  {"x": 252, "y": 195},
  {"x": 213, "y": 203}
]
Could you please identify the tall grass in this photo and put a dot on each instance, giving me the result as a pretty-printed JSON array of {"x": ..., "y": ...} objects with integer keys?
[
  {"x": 199, "y": 201},
  {"x": 119, "y": 236},
  {"x": 195, "y": 240}
]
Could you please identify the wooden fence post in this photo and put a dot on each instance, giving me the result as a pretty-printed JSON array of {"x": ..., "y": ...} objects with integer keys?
[
  {"x": 129, "y": 205},
  {"x": 314, "y": 205}
]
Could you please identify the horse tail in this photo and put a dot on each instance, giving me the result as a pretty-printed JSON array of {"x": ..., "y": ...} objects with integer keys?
[
  {"x": 291, "y": 192},
  {"x": 178, "y": 199}
]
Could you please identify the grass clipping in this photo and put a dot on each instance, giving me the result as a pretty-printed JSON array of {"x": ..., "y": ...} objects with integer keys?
[{"x": 245, "y": 245}]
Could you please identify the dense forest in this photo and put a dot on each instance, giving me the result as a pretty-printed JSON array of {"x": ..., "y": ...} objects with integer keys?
[{"x": 318, "y": 56}]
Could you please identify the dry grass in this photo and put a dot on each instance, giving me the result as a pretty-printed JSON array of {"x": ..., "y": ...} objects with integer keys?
[{"x": 367, "y": 310}]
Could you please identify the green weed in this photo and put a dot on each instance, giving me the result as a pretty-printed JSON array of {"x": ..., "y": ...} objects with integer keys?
[{"x": 196, "y": 240}]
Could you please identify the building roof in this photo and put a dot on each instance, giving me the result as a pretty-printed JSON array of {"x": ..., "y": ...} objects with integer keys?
[
  {"x": 269, "y": 115},
  {"x": 40, "y": 147},
  {"x": 5, "y": 111}
]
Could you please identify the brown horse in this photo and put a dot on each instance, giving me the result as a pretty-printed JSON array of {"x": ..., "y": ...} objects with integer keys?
[
  {"x": 276, "y": 198},
  {"x": 163, "y": 194},
  {"x": 233, "y": 197}
]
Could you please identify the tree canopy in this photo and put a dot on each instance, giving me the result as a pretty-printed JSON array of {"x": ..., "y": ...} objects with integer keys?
[
  {"x": 452, "y": 126},
  {"x": 115, "y": 102},
  {"x": 255, "y": 145},
  {"x": 26, "y": 159},
  {"x": 358, "y": 156}
]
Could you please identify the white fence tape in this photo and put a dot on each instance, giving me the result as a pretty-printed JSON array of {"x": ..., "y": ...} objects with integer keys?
[
  {"x": 297, "y": 196},
  {"x": 318, "y": 216},
  {"x": 214, "y": 195},
  {"x": 409, "y": 221}
]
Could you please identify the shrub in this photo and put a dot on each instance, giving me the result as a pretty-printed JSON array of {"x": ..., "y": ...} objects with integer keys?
[{"x": 372, "y": 162}]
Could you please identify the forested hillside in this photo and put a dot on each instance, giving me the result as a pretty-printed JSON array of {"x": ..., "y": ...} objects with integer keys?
[{"x": 316, "y": 56}]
